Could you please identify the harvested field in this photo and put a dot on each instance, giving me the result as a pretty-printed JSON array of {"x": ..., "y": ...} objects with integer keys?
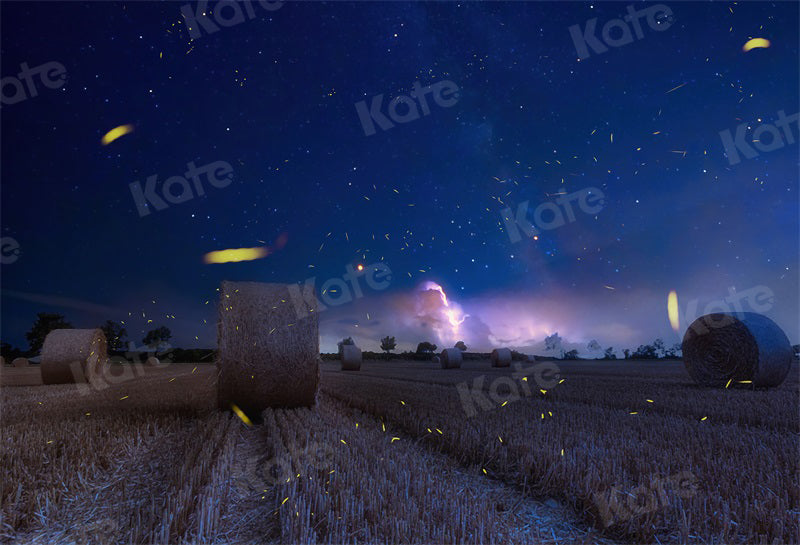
[{"x": 391, "y": 454}]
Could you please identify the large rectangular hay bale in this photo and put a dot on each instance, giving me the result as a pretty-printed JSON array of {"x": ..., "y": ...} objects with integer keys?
[{"x": 268, "y": 347}]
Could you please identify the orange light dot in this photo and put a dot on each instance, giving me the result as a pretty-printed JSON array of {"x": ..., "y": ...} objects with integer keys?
[
  {"x": 535, "y": 237},
  {"x": 360, "y": 267}
]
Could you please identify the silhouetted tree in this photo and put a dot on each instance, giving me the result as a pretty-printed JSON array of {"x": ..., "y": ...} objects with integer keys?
[
  {"x": 646, "y": 352},
  {"x": 44, "y": 324},
  {"x": 571, "y": 355},
  {"x": 426, "y": 348},
  {"x": 155, "y": 338},
  {"x": 658, "y": 346},
  {"x": 461, "y": 346},
  {"x": 627, "y": 353},
  {"x": 10, "y": 353},
  {"x": 115, "y": 335},
  {"x": 609, "y": 353},
  {"x": 388, "y": 344}
]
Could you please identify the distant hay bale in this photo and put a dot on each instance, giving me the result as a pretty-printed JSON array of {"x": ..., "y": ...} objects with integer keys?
[
  {"x": 451, "y": 358},
  {"x": 152, "y": 361},
  {"x": 744, "y": 346},
  {"x": 20, "y": 362},
  {"x": 351, "y": 357},
  {"x": 73, "y": 355},
  {"x": 501, "y": 357},
  {"x": 268, "y": 347}
]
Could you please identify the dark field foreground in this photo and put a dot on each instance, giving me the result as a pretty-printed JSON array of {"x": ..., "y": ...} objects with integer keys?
[{"x": 404, "y": 452}]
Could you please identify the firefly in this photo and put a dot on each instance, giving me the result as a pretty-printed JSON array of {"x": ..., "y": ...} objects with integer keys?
[
  {"x": 672, "y": 310},
  {"x": 755, "y": 43}
]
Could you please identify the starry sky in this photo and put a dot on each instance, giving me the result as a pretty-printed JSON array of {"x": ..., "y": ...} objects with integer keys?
[{"x": 525, "y": 119}]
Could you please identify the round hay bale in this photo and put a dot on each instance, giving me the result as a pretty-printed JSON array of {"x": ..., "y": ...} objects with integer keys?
[
  {"x": 351, "y": 357},
  {"x": 152, "y": 361},
  {"x": 20, "y": 362},
  {"x": 73, "y": 355},
  {"x": 501, "y": 357},
  {"x": 451, "y": 358},
  {"x": 268, "y": 337},
  {"x": 743, "y": 346}
]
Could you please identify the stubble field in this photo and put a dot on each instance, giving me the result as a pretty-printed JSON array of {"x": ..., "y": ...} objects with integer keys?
[{"x": 405, "y": 452}]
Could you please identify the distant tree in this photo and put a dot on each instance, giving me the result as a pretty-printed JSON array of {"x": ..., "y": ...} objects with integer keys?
[
  {"x": 571, "y": 355},
  {"x": 796, "y": 348},
  {"x": 593, "y": 345},
  {"x": 156, "y": 338},
  {"x": 645, "y": 352},
  {"x": 658, "y": 346},
  {"x": 627, "y": 353},
  {"x": 388, "y": 344},
  {"x": 609, "y": 353},
  {"x": 426, "y": 348},
  {"x": 115, "y": 335},
  {"x": 340, "y": 344},
  {"x": 461, "y": 346},
  {"x": 44, "y": 324},
  {"x": 10, "y": 353},
  {"x": 674, "y": 351}
]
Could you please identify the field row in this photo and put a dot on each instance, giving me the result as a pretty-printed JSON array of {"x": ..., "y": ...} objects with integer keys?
[
  {"x": 151, "y": 461},
  {"x": 645, "y": 476}
]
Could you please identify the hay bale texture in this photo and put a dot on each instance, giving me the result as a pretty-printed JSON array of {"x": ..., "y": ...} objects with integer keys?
[
  {"x": 268, "y": 347},
  {"x": 73, "y": 355},
  {"x": 501, "y": 357},
  {"x": 351, "y": 357},
  {"x": 744, "y": 346},
  {"x": 20, "y": 362},
  {"x": 152, "y": 361},
  {"x": 451, "y": 358}
]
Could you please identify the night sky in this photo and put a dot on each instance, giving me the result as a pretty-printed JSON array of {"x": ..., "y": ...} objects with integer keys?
[{"x": 275, "y": 97}]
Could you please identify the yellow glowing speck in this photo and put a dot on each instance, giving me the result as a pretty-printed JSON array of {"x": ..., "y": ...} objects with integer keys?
[
  {"x": 123, "y": 397},
  {"x": 284, "y": 500},
  {"x": 703, "y": 418},
  {"x": 238, "y": 412},
  {"x": 634, "y": 412},
  {"x": 562, "y": 452},
  {"x": 236, "y": 254},
  {"x": 343, "y": 441},
  {"x": 755, "y": 43},
  {"x": 672, "y": 310},
  {"x": 504, "y": 403},
  {"x": 729, "y": 382},
  {"x": 649, "y": 400},
  {"x": 115, "y": 133},
  {"x": 394, "y": 439}
]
